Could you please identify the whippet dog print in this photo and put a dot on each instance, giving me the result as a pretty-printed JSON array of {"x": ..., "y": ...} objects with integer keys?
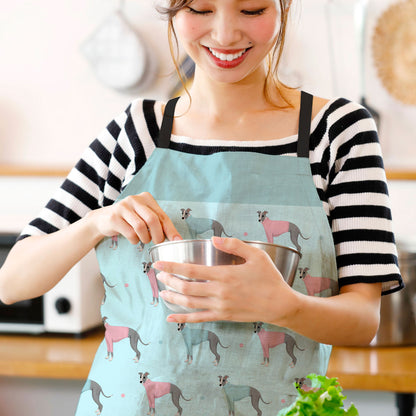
[
  {"x": 157, "y": 389},
  {"x": 96, "y": 390},
  {"x": 151, "y": 274},
  {"x": 275, "y": 228},
  {"x": 199, "y": 226},
  {"x": 315, "y": 284},
  {"x": 271, "y": 339},
  {"x": 235, "y": 393},
  {"x": 115, "y": 334},
  {"x": 196, "y": 336}
]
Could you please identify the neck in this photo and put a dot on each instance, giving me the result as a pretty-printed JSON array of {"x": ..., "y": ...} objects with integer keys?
[{"x": 216, "y": 98}]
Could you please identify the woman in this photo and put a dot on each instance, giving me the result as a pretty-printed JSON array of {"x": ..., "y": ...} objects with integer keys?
[{"x": 245, "y": 150}]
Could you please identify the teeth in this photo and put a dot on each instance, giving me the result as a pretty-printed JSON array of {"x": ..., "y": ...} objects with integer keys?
[{"x": 227, "y": 57}]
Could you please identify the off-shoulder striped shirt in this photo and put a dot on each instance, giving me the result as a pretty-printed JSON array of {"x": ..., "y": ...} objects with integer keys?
[{"x": 346, "y": 164}]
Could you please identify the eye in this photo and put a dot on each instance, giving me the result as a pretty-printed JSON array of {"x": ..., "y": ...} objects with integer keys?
[
  {"x": 200, "y": 12},
  {"x": 253, "y": 12}
]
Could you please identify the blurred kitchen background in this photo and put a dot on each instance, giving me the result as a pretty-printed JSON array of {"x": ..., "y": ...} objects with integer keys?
[{"x": 68, "y": 67}]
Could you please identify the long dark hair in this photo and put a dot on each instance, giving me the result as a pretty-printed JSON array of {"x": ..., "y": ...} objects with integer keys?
[{"x": 272, "y": 78}]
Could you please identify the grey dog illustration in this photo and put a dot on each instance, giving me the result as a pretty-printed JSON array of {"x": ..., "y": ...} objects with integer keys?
[
  {"x": 197, "y": 336},
  {"x": 117, "y": 333},
  {"x": 271, "y": 339},
  {"x": 105, "y": 282},
  {"x": 96, "y": 391},
  {"x": 275, "y": 228},
  {"x": 156, "y": 389},
  {"x": 234, "y": 393},
  {"x": 201, "y": 225}
]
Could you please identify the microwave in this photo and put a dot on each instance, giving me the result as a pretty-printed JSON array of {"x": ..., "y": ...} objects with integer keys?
[{"x": 71, "y": 307}]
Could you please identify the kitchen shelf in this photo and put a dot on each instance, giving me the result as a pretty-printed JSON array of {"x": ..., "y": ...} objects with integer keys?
[{"x": 17, "y": 170}]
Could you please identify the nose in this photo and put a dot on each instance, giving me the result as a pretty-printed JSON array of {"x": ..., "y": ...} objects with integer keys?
[{"x": 226, "y": 30}]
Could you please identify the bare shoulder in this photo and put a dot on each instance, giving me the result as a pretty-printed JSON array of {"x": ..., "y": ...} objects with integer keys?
[{"x": 318, "y": 104}]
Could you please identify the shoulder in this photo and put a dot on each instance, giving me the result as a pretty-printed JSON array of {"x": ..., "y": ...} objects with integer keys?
[
  {"x": 145, "y": 107},
  {"x": 339, "y": 108}
]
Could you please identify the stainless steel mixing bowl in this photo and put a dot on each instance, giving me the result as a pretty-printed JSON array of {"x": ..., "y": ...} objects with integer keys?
[{"x": 203, "y": 252}]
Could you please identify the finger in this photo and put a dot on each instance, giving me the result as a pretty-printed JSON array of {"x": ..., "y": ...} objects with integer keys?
[
  {"x": 233, "y": 246},
  {"x": 193, "y": 271},
  {"x": 152, "y": 225},
  {"x": 169, "y": 229},
  {"x": 194, "y": 317},
  {"x": 186, "y": 287},
  {"x": 124, "y": 228},
  {"x": 189, "y": 302},
  {"x": 137, "y": 224}
]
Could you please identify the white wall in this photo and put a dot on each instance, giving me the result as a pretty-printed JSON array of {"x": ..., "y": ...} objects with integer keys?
[{"x": 52, "y": 105}]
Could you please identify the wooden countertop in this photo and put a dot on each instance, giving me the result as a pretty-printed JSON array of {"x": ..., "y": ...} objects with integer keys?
[{"x": 65, "y": 357}]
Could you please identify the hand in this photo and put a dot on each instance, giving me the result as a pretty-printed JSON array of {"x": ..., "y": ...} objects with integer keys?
[
  {"x": 249, "y": 292},
  {"x": 136, "y": 217}
]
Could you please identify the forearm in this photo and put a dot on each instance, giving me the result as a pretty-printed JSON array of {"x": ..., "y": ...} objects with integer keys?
[
  {"x": 350, "y": 318},
  {"x": 37, "y": 263}
]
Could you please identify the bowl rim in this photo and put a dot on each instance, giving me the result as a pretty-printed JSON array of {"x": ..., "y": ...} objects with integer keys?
[{"x": 208, "y": 240}]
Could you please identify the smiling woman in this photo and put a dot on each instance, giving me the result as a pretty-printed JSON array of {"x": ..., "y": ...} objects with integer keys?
[
  {"x": 244, "y": 8},
  {"x": 242, "y": 157}
]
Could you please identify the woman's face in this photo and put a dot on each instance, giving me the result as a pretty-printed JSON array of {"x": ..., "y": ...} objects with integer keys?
[{"x": 228, "y": 39}]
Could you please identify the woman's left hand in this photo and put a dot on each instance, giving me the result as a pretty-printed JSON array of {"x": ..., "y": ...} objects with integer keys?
[{"x": 252, "y": 291}]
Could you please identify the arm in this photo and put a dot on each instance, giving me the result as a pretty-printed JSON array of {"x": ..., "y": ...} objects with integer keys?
[
  {"x": 353, "y": 181},
  {"x": 229, "y": 295},
  {"x": 82, "y": 212},
  {"x": 37, "y": 263}
]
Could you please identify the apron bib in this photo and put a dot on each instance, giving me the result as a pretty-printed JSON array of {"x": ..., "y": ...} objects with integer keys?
[{"x": 146, "y": 365}]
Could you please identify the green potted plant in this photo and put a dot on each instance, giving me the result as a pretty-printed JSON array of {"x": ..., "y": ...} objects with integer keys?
[{"x": 323, "y": 398}]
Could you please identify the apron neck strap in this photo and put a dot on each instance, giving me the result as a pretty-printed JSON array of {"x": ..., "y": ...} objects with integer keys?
[
  {"x": 303, "y": 134},
  {"x": 167, "y": 122},
  {"x": 306, "y": 101}
]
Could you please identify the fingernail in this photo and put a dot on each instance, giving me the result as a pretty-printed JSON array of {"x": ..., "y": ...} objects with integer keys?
[
  {"x": 158, "y": 265},
  {"x": 171, "y": 319},
  {"x": 177, "y": 238},
  {"x": 218, "y": 240}
]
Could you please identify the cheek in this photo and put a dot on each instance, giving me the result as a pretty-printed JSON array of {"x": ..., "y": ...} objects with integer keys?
[
  {"x": 266, "y": 31},
  {"x": 187, "y": 28}
]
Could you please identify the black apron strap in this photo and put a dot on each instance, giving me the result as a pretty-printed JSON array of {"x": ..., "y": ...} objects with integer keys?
[
  {"x": 305, "y": 118},
  {"x": 167, "y": 122}
]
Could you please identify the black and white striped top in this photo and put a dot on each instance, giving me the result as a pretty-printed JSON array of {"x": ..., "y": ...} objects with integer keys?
[{"x": 346, "y": 164}]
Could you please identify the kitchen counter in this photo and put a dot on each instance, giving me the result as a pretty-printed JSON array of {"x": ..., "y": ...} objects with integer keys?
[
  {"x": 66, "y": 357},
  {"x": 390, "y": 369}
]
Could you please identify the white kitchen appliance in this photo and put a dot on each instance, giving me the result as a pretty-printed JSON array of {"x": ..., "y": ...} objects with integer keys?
[{"x": 72, "y": 306}]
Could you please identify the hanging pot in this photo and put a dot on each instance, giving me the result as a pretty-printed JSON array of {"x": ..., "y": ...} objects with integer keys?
[{"x": 118, "y": 55}]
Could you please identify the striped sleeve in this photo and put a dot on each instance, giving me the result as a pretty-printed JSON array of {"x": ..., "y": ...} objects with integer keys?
[
  {"x": 100, "y": 175},
  {"x": 357, "y": 198}
]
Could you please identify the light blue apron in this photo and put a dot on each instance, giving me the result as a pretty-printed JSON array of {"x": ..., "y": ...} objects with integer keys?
[{"x": 148, "y": 366}]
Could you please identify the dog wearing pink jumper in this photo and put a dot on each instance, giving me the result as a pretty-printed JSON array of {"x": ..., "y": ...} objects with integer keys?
[
  {"x": 156, "y": 389},
  {"x": 117, "y": 333},
  {"x": 151, "y": 274},
  {"x": 275, "y": 228},
  {"x": 271, "y": 339},
  {"x": 315, "y": 285}
]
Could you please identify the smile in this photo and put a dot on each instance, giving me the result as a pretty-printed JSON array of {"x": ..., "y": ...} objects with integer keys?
[{"x": 227, "y": 59}]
